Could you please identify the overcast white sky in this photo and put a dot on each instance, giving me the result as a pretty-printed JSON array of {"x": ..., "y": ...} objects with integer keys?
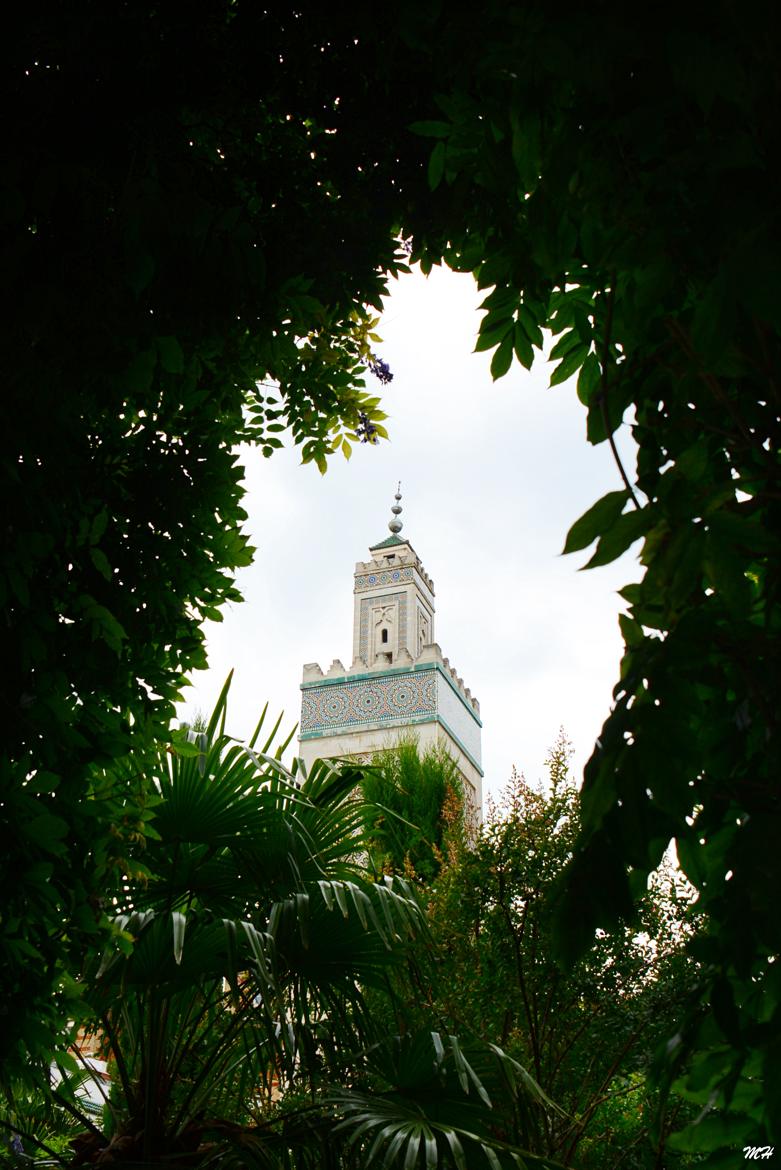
[{"x": 493, "y": 475}]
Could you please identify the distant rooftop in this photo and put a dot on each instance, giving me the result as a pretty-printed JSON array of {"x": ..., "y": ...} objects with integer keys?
[{"x": 388, "y": 542}]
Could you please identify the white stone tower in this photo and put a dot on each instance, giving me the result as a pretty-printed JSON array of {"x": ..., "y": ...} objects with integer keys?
[{"x": 398, "y": 681}]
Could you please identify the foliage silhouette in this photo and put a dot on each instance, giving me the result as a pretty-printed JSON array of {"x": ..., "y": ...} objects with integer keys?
[
  {"x": 158, "y": 173},
  {"x": 587, "y": 1032},
  {"x": 181, "y": 223},
  {"x": 231, "y": 1005},
  {"x": 606, "y": 175}
]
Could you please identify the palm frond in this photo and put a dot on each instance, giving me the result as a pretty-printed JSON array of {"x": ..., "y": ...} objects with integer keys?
[{"x": 443, "y": 1100}]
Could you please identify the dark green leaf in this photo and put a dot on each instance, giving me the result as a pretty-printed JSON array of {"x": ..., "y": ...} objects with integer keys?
[
  {"x": 589, "y": 378},
  {"x": 100, "y": 562},
  {"x": 436, "y": 165},
  {"x": 568, "y": 341},
  {"x": 522, "y": 346},
  {"x": 617, "y": 539},
  {"x": 502, "y": 359},
  {"x": 714, "y": 1132},
  {"x": 531, "y": 326},
  {"x": 597, "y": 520},
  {"x": 493, "y": 337},
  {"x": 171, "y": 355},
  {"x": 572, "y": 362}
]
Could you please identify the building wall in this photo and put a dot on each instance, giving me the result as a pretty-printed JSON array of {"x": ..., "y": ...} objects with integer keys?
[
  {"x": 359, "y": 714},
  {"x": 363, "y": 743}
]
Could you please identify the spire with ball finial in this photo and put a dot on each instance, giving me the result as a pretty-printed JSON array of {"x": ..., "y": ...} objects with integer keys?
[{"x": 395, "y": 524}]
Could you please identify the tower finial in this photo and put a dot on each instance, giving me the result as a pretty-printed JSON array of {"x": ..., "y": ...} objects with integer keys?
[{"x": 395, "y": 524}]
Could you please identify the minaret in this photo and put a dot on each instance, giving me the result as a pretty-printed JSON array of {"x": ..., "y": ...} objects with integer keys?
[{"x": 398, "y": 681}]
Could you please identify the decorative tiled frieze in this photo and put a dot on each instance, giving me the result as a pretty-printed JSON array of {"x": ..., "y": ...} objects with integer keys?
[
  {"x": 386, "y": 577},
  {"x": 329, "y": 708}
]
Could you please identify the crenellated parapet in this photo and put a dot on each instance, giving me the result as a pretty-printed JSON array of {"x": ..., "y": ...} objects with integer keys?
[
  {"x": 393, "y": 560},
  {"x": 431, "y": 654}
]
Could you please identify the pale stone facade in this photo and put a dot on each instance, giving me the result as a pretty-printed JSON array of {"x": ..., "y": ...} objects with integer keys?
[{"x": 398, "y": 681}]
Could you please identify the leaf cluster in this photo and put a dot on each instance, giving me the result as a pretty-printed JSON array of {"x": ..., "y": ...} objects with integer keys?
[
  {"x": 587, "y": 1031},
  {"x": 232, "y": 1004},
  {"x": 417, "y": 801},
  {"x": 198, "y": 225},
  {"x": 607, "y": 179}
]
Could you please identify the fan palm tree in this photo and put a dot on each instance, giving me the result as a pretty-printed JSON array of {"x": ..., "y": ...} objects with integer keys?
[{"x": 231, "y": 1005}]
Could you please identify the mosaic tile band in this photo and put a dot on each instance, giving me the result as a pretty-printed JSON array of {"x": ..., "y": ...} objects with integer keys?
[
  {"x": 391, "y": 577},
  {"x": 368, "y": 701}
]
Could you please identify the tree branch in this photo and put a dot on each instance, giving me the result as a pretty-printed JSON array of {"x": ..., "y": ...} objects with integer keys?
[{"x": 611, "y": 296}]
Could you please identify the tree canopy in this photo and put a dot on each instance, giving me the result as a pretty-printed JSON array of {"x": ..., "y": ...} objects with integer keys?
[
  {"x": 194, "y": 254},
  {"x": 233, "y": 1007},
  {"x": 607, "y": 176},
  {"x": 588, "y": 1031}
]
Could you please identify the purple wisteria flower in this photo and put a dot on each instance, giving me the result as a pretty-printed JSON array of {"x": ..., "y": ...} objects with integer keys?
[
  {"x": 381, "y": 370},
  {"x": 366, "y": 430}
]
